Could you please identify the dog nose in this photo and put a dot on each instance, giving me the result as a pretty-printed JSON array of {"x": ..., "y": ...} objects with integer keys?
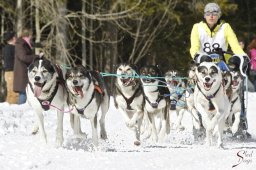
[
  {"x": 75, "y": 82},
  {"x": 207, "y": 79},
  {"x": 37, "y": 78}
]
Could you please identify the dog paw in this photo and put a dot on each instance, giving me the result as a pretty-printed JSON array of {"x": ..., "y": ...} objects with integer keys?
[
  {"x": 35, "y": 129},
  {"x": 80, "y": 135},
  {"x": 59, "y": 141},
  {"x": 136, "y": 143},
  {"x": 234, "y": 129},
  {"x": 103, "y": 135}
]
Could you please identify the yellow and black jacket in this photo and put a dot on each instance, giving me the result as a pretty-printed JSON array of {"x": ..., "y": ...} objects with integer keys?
[{"x": 204, "y": 40}]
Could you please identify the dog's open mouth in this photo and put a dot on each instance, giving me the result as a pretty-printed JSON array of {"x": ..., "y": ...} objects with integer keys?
[
  {"x": 78, "y": 90},
  {"x": 38, "y": 88},
  {"x": 207, "y": 86},
  {"x": 235, "y": 83},
  {"x": 172, "y": 82},
  {"x": 126, "y": 81}
]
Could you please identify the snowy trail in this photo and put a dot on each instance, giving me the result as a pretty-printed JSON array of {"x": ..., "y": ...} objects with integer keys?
[{"x": 20, "y": 150}]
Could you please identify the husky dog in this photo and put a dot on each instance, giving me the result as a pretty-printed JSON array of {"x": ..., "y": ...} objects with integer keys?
[
  {"x": 198, "y": 128},
  {"x": 46, "y": 87},
  {"x": 87, "y": 93},
  {"x": 129, "y": 99},
  {"x": 156, "y": 104},
  {"x": 235, "y": 109},
  {"x": 227, "y": 81},
  {"x": 210, "y": 100},
  {"x": 177, "y": 88}
]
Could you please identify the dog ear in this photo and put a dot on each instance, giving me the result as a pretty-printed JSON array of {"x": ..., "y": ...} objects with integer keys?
[
  {"x": 134, "y": 67},
  {"x": 115, "y": 66}
]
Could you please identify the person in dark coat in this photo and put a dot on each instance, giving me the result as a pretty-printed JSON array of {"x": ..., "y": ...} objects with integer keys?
[
  {"x": 8, "y": 56},
  {"x": 24, "y": 56}
]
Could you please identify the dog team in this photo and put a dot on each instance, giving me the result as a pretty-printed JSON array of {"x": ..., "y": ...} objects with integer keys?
[{"x": 209, "y": 95}]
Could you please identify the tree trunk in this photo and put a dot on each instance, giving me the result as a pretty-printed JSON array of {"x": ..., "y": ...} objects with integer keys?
[
  {"x": 61, "y": 35},
  {"x": 37, "y": 25},
  {"x": 19, "y": 17},
  {"x": 84, "y": 56}
]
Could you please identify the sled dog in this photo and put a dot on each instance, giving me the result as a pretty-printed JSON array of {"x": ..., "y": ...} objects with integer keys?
[
  {"x": 210, "y": 100},
  {"x": 46, "y": 88},
  {"x": 156, "y": 103},
  {"x": 129, "y": 99},
  {"x": 86, "y": 94},
  {"x": 177, "y": 88},
  {"x": 233, "y": 119}
]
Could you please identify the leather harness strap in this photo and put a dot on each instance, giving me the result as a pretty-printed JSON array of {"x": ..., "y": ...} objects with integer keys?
[{"x": 129, "y": 100}]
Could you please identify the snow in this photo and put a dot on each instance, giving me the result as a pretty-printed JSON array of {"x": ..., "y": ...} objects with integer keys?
[{"x": 19, "y": 150}]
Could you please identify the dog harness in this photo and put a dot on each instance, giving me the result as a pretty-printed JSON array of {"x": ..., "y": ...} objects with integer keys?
[
  {"x": 46, "y": 102},
  {"x": 96, "y": 89},
  {"x": 233, "y": 102},
  {"x": 154, "y": 104},
  {"x": 211, "y": 106},
  {"x": 81, "y": 111},
  {"x": 129, "y": 100}
]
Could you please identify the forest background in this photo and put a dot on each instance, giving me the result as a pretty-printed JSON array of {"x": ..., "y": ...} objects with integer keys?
[{"x": 103, "y": 33}]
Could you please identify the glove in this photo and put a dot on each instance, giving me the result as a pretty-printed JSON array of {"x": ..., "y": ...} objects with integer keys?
[
  {"x": 202, "y": 57},
  {"x": 234, "y": 63}
]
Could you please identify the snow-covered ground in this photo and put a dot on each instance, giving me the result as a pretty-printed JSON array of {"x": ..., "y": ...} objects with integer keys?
[{"x": 20, "y": 150}]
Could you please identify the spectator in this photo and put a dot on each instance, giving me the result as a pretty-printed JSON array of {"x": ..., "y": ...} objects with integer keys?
[
  {"x": 252, "y": 54},
  {"x": 24, "y": 56},
  {"x": 8, "y": 58}
]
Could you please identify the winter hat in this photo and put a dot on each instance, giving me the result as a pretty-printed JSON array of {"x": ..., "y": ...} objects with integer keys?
[
  {"x": 8, "y": 35},
  {"x": 212, "y": 7}
]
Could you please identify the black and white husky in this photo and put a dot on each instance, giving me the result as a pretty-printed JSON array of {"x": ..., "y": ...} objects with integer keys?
[
  {"x": 235, "y": 109},
  {"x": 46, "y": 88},
  {"x": 128, "y": 98},
  {"x": 86, "y": 94},
  {"x": 156, "y": 103},
  {"x": 211, "y": 100}
]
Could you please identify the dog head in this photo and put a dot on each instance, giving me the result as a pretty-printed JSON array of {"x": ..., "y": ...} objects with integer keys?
[
  {"x": 209, "y": 76},
  {"x": 147, "y": 72},
  {"x": 192, "y": 71},
  {"x": 236, "y": 80},
  {"x": 173, "y": 78},
  {"x": 41, "y": 75},
  {"x": 126, "y": 73},
  {"x": 78, "y": 80}
]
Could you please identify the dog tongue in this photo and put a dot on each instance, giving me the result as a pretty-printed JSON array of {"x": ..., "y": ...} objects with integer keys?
[
  {"x": 37, "y": 91},
  {"x": 79, "y": 91}
]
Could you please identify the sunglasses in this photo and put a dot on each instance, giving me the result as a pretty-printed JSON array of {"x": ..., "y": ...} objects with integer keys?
[{"x": 214, "y": 13}]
